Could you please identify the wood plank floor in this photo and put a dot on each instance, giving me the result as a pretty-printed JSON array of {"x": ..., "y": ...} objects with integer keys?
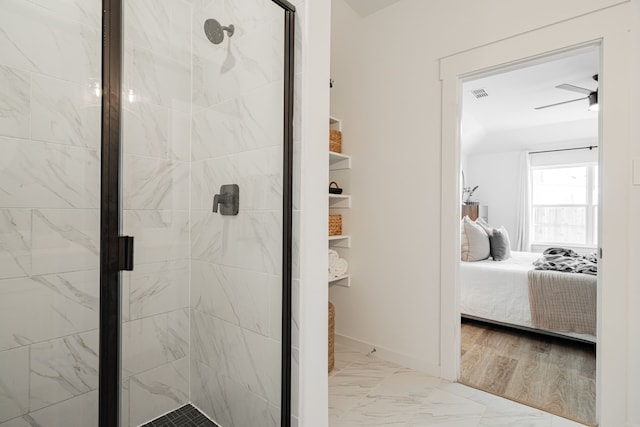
[{"x": 552, "y": 374}]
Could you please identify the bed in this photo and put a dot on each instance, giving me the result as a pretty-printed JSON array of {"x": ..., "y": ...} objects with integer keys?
[{"x": 499, "y": 292}]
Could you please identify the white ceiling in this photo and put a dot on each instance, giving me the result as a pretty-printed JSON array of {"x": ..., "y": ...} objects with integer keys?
[
  {"x": 506, "y": 120},
  {"x": 368, "y": 7}
]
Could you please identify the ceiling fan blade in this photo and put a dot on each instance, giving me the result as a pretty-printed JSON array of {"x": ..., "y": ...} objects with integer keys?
[
  {"x": 558, "y": 103},
  {"x": 574, "y": 88}
]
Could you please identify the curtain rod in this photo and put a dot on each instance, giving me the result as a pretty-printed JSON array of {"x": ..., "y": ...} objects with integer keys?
[{"x": 590, "y": 147}]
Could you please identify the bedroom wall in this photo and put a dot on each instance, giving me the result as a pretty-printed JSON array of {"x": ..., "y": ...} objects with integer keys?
[
  {"x": 496, "y": 174},
  {"x": 392, "y": 108}
]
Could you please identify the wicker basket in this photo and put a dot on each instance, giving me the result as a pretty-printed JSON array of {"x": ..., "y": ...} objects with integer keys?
[
  {"x": 335, "y": 141},
  {"x": 332, "y": 336},
  {"x": 335, "y": 225}
]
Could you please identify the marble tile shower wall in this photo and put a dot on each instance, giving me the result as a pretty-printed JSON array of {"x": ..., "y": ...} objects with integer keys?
[
  {"x": 49, "y": 212},
  {"x": 156, "y": 167},
  {"x": 195, "y": 116},
  {"x": 300, "y": 43},
  {"x": 236, "y": 261}
]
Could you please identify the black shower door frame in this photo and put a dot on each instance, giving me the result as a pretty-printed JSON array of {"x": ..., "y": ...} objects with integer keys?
[{"x": 112, "y": 251}]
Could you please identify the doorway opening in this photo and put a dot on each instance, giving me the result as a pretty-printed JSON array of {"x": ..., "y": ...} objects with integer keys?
[{"x": 530, "y": 201}]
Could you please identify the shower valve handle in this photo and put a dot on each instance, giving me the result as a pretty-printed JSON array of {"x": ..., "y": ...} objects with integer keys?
[
  {"x": 216, "y": 202},
  {"x": 228, "y": 200}
]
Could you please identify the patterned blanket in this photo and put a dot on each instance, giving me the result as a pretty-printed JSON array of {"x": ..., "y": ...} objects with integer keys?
[{"x": 568, "y": 261}]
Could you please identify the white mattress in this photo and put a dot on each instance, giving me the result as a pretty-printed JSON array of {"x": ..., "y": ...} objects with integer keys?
[{"x": 499, "y": 291}]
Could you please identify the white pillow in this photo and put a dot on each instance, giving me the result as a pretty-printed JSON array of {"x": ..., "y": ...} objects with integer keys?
[
  {"x": 485, "y": 225},
  {"x": 464, "y": 242},
  {"x": 474, "y": 241}
]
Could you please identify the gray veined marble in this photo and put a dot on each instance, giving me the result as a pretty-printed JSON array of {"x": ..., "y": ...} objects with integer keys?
[
  {"x": 257, "y": 62},
  {"x": 265, "y": 356},
  {"x": 88, "y": 12},
  {"x": 257, "y": 172},
  {"x": 65, "y": 240},
  {"x": 177, "y": 345},
  {"x": 226, "y": 401},
  {"x": 156, "y": 392},
  {"x": 78, "y": 288},
  {"x": 243, "y": 297},
  {"x": 36, "y": 40},
  {"x": 295, "y": 267},
  {"x": 156, "y": 78},
  {"x": 254, "y": 241},
  {"x": 205, "y": 178},
  {"x": 160, "y": 235},
  {"x": 63, "y": 368},
  {"x": 158, "y": 288},
  {"x": 206, "y": 393},
  {"x": 244, "y": 123},
  {"x": 125, "y": 398},
  {"x": 68, "y": 302},
  {"x": 15, "y": 243},
  {"x": 64, "y": 112},
  {"x": 179, "y": 135},
  {"x": 81, "y": 410},
  {"x": 207, "y": 235},
  {"x": 155, "y": 183},
  {"x": 260, "y": 176},
  {"x": 144, "y": 344},
  {"x": 161, "y": 26},
  {"x": 15, "y": 87},
  {"x": 276, "y": 325},
  {"x": 14, "y": 383},
  {"x": 49, "y": 244},
  {"x": 43, "y": 175},
  {"x": 250, "y": 15},
  {"x": 250, "y": 359},
  {"x": 145, "y": 129}
]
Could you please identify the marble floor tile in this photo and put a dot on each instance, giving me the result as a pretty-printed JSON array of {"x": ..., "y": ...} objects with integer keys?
[
  {"x": 344, "y": 356},
  {"x": 367, "y": 391}
]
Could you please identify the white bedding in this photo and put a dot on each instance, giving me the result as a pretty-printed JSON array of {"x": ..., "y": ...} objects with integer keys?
[{"x": 499, "y": 291}]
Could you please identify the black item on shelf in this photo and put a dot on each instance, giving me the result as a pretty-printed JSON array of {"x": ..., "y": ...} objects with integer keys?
[{"x": 336, "y": 189}]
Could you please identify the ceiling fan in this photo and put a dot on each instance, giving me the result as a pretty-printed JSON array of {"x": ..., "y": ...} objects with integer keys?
[{"x": 592, "y": 95}]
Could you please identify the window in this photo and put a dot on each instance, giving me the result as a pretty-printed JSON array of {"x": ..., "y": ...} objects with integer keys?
[{"x": 565, "y": 204}]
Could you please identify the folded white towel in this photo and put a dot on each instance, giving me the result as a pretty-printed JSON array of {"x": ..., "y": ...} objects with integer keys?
[
  {"x": 341, "y": 267},
  {"x": 333, "y": 258}
]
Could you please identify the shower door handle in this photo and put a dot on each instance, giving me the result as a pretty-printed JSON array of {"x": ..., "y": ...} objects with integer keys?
[
  {"x": 228, "y": 200},
  {"x": 125, "y": 253}
]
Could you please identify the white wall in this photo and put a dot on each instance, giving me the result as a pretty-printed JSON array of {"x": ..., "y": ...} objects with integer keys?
[
  {"x": 388, "y": 95},
  {"x": 496, "y": 176},
  {"x": 634, "y": 249},
  {"x": 311, "y": 135}
]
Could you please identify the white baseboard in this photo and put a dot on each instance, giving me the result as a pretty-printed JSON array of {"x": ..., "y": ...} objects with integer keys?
[{"x": 391, "y": 356}]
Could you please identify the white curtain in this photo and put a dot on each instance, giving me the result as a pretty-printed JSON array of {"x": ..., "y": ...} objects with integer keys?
[{"x": 523, "y": 224}]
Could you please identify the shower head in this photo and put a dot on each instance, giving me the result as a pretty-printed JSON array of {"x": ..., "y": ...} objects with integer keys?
[{"x": 215, "y": 31}]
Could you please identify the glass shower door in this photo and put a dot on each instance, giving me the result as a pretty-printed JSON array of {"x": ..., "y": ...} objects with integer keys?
[
  {"x": 50, "y": 98},
  {"x": 202, "y": 308}
]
